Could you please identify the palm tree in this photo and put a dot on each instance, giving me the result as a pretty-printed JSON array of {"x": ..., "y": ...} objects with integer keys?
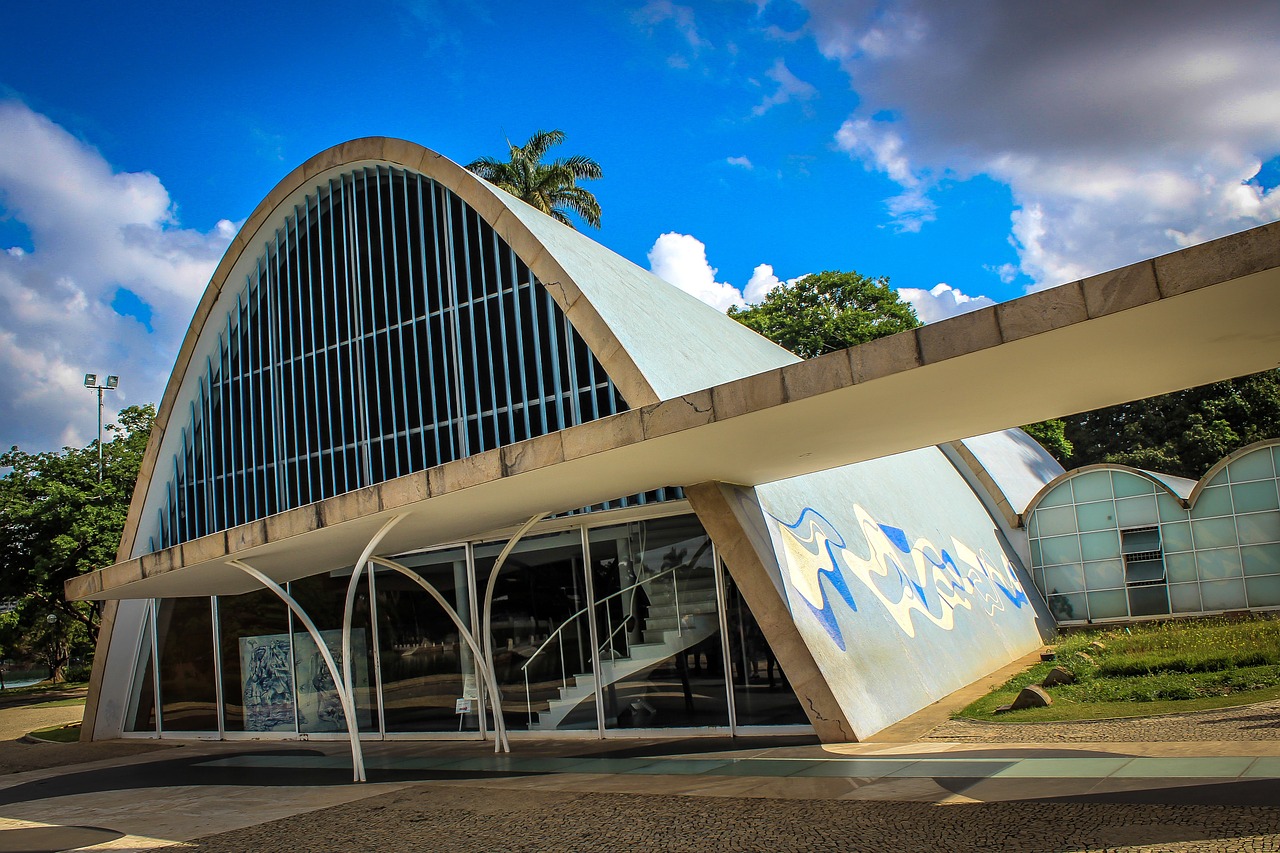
[{"x": 550, "y": 187}]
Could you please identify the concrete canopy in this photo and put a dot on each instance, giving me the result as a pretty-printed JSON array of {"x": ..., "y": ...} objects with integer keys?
[{"x": 1198, "y": 315}]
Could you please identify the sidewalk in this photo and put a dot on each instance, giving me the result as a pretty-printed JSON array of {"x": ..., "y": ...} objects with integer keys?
[{"x": 718, "y": 794}]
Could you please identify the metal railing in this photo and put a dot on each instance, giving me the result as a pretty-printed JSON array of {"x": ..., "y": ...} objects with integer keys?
[{"x": 612, "y": 632}]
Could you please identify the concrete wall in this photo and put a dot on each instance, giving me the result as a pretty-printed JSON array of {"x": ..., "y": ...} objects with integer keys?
[{"x": 897, "y": 580}]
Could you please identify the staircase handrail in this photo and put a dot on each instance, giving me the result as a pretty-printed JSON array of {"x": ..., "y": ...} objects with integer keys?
[
  {"x": 566, "y": 622},
  {"x": 671, "y": 571}
]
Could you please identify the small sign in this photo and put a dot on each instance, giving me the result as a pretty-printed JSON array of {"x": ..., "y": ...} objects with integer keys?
[
  {"x": 463, "y": 706},
  {"x": 469, "y": 690}
]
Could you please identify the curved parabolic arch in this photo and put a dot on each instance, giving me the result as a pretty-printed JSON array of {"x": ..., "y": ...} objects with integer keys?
[{"x": 382, "y": 311}]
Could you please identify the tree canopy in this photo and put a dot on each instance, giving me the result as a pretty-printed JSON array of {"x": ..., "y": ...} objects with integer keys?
[
  {"x": 57, "y": 521},
  {"x": 550, "y": 187},
  {"x": 828, "y": 311},
  {"x": 1183, "y": 433}
]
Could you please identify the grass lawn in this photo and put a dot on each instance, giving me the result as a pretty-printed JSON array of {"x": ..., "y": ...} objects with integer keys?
[{"x": 1150, "y": 668}]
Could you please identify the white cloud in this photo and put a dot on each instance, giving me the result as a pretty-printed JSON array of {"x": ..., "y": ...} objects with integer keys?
[
  {"x": 681, "y": 17},
  {"x": 1123, "y": 130},
  {"x": 790, "y": 88},
  {"x": 743, "y": 162},
  {"x": 682, "y": 260},
  {"x": 93, "y": 232},
  {"x": 762, "y": 281},
  {"x": 941, "y": 301}
]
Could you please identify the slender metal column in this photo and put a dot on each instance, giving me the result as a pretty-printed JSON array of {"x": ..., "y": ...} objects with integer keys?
[
  {"x": 490, "y": 683},
  {"x": 486, "y": 626},
  {"x": 348, "y": 704}
]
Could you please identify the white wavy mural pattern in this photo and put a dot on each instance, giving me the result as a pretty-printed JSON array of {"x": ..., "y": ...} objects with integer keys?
[{"x": 911, "y": 580}]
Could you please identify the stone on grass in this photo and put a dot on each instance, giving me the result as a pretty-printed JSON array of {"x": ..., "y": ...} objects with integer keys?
[
  {"x": 1058, "y": 675},
  {"x": 1098, "y": 646},
  {"x": 1032, "y": 696}
]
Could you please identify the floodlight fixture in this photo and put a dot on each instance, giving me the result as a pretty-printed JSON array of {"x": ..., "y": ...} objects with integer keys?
[{"x": 91, "y": 382}]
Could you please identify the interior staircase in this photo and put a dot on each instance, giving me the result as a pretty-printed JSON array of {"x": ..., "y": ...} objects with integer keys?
[{"x": 678, "y": 620}]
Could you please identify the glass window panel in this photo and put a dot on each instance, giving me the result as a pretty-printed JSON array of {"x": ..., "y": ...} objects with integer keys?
[
  {"x": 1258, "y": 527},
  {"x": 762, "y": 696},
  {"x": 1096, "y": 516},
  {"x": 1212, "y": 502},
  {"x": 1037, "y": 577},
  {"x": 1148, "y": 600},
  {"x": 671, "y": 672},
  {"x": 1037, "y": 559},
  {"x": 1060, "y": 549},
  {"x": 1181, "y": 568},
  {"x": 1033, "y": 526},
  {"x": 1056, "y": 521},
  {"x": 1253, "y": 497},
  {"x": 1108, "y": 605},
  {"x": 1275, "y": 457},
  {"x": 1132, "y": 512},
  {"x": 1092, "y": 486},
  {"x": 257, "y": 679},
  {"x": 1139, "y": 541},
  {"x": 541, "y": 629},
  {"x": 1251, "y": 466},
  {"x": 142, "y": 703},
  {"x": 1218, "y": 563},
  {"x": 1263, "y": 592},
  {"x": 1104, "y": 575},
  {"x": 1171, "y": 509},
  {"x": 1127, "y": 485},
  {"x": 1068, "y": 608},
  {"x": 1260, "y": 559},
  {"x": 323, "y": 598},
  {"x": 188, "y": 694},
  {"x": 1214, "y": 533},
  {"x": 1069, "y": 578},
  {"x": 1184, "y": 598},
  {"x": 1099, "y": 546},
  {"x": 1223, "y": 595},
  {"x": 1143, "y": 571},
  {"x": 426, "y": 664},
  {"x": 1176, "y": 536},
  {"x": 1057, "y": 496}
]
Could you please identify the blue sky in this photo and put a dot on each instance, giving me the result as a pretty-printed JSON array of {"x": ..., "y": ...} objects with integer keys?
[{"x": 970, "y": 152}]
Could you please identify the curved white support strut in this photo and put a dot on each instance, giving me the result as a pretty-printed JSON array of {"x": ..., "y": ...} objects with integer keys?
[
  {"x": 348, "y": 701},
  {"x": 348, "y": 610},
  {"x": 500, "y": 724},
  {"x": 491, "y": 685}
]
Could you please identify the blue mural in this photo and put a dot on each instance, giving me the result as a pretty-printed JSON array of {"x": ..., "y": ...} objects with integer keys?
[{"x": 911, "y": 580}]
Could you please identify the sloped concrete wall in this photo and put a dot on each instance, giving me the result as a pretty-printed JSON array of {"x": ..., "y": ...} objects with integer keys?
[{"x": 896, "y": 580}]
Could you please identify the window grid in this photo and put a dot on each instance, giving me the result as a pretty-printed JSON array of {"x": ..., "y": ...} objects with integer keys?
[
  {"x": 385, "y": 328},
  {"x": 1206, "y": 592}
]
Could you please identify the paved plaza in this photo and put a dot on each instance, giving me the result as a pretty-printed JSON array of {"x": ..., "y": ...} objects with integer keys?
[{"x": 1159, "y": 790}]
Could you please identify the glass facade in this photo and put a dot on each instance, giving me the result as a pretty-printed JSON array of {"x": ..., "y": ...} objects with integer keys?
[
  {"x": 386, "y": 328},
  {"x": 600, "y": 627},
  {"x": 1111, "y": 544}
]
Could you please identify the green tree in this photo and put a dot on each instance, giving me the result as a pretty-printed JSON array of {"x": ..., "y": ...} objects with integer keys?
[
  {"x": 1052, "y": 436},
  {"x": 549, "y": 187},
  {"x": 828, "y": 311},
  {"x": 1182, "y": 433},
  {"x": 57, "y": 521}
]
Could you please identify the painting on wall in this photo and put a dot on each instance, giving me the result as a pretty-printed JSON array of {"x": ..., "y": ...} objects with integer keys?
[
  {"x": 268, "y": 684},
  {"x": 319, "y": 706}
]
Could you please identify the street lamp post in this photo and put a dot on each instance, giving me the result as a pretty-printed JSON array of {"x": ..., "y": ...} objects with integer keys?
[{"x": 91, "y": 381}]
